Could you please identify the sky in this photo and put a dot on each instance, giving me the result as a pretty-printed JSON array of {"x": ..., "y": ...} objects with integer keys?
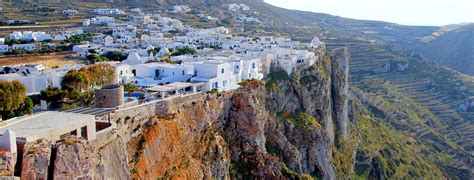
[{"x": 406, "y": 12}]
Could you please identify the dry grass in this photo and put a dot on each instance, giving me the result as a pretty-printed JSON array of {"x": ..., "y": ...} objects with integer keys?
[
  {"x": 70, "y": 141},
  {"x": 48, "y": 60}
]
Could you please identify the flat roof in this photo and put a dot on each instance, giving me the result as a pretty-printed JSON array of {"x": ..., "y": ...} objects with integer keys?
[
  {"x": 171, "y": 87},
  {"x": 44, "y": 122},
  {"x": 91, "y": 111}
]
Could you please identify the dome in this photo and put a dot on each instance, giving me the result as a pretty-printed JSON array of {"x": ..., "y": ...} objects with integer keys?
[
  {"x": 133, "y": 56},
  {"x": 164, "y": 51},
  {"x": 149, "y": 47}
]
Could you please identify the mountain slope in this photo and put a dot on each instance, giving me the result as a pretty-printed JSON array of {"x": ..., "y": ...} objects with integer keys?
[{"x": 454, "y": 49}]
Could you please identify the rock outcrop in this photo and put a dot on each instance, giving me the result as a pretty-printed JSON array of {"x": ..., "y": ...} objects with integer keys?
[
  {"x": 340, "y": 86},
  {"x": 36, "y": 160},
  {"x": 75, "y": 159},
  {"x": 7, "y": 163}
]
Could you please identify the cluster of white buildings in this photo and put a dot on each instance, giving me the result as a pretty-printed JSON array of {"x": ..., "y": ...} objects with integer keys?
[
  {"x": 238, "y": 7},
  {"x": 221, "y": 60},
  {"x": 30, "y": 36},
  {"x": 35, "y": 77},
  {"x": 109, "y": 11},
  {"x": 180, "y": 9},
  {"x": 37, "y": 36}
]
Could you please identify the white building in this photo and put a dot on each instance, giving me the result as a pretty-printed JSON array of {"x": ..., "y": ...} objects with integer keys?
[
  {"x": 102, "y": 20},
  {"x": 8, "y": 140},
  {"x": 28, "y": 47},
  {"x": 3, "y": 48},
  {"x": 108, "y": 11},
  {"x": 50, "y": 125},
  {"x": 315, "y": 43},
  {"x": 30, "y": 35},
  {"x": 136, "y": 10},
  {"x": 70, "y": 12},
  {"x": 181, "y": 9},
  {"x": 153, "y": 74},
  {"x": 36, "y": 79},
  {"x": 123, "y": 73},
  {"x": 217, "y": 75},
  {"x": 134, "y": 58},
  {"x": 86, "y": 22},
  {"x": 238, "y": 7}
]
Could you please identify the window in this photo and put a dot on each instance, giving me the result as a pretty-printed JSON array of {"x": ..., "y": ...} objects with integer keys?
[
  {"x": 237, "y": 67},
  {"x": 157, "y": 73},
  {"x": 173, "y": 73},
  {"x": 121, "y": 72},
  {"x": 222, "y": 70},
  {"x": 183, "y": 72},
  {"x": 253, "y": 65},
  {"x": 224, "y": 83}
]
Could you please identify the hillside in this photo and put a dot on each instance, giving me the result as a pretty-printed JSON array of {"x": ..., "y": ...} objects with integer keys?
[
  {"x": 406, "y": 121},
  {"x": 454, "y": 49}
]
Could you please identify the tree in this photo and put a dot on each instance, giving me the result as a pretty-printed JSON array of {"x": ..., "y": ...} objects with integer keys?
[
  {"x": 12, "y": 97},
  {"x": 87, "y": 98},
  {"x": 155, "y": 50},
  {"x": 94, "y": 58},
  {"x": 183, "y": 51},
  {"x": 92, "y": 51},
  {"x": 75, "y": 81},
  {"x": 114, "y": 56},
  {"x": 99, "y": 74},
  {"x": 26, "y": 108},
  {"x": 129, "y": 87},
  {"x": 54, "y": 96}
]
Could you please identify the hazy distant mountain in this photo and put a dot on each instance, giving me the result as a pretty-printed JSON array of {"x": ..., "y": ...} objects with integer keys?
[{"x": 454, "y": 48}]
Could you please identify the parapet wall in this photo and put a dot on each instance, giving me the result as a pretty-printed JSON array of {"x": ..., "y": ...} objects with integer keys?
[{"x": 131, "y": 120}]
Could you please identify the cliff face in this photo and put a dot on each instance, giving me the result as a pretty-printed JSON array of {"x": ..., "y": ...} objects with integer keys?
[{"x": 284, "y": 127}]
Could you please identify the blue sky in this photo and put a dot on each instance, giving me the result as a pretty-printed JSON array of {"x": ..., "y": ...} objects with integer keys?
[{"x": 406, "y": 12}]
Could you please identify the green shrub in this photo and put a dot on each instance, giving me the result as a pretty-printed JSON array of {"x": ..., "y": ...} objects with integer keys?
[{"x": 304, "y": 121}]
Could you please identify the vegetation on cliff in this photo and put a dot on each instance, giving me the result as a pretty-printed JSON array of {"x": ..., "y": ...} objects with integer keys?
[{"x": 385, "y": 153}]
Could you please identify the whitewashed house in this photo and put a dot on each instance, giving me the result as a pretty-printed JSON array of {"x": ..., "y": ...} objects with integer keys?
[
  {"x": 136, "y": 10},
  {"x": 123, "y": 72},
  {"x": 217, "y": 75},
  {"x": 28, "y": 47},
  {"x": 3, "y": 48},
  {"x": 102, "y": 20},
  {"x": 86, "y": 22},
  {"x": 134, "y": 58},
  {"x": 315, "y": 43},
  {"x": 153, "y": 74},
  {"x": 70, "y": 12},
  {"x": 16, "y": 35},
  {"x": 108, "y": 11}
]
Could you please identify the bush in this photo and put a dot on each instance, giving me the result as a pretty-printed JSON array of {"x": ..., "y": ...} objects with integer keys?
[
  {"x": 94, "y": 58},
  {"x": 252, "y": 83},
  {"x": 12, "y": 98},
  {"x": 304, "y": 121},
  {"x": 183, "y": 51},
  {"x": 213, "y": 91},
  {"x": 114, "y": 56}
]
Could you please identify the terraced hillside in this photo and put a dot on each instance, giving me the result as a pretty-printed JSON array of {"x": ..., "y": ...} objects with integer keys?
[{"x": 428, "y": 99}]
